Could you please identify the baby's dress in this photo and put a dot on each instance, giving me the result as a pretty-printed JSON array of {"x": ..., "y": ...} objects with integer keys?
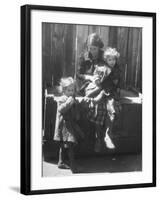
[
  {"x": 97, "y": 112},
  {"x": 100, "y": 73}
]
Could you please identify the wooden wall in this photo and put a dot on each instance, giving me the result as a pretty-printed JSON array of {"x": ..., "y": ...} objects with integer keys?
[{"x": 63, "y": 43}]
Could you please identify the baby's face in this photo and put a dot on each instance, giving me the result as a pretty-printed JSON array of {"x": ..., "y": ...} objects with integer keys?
[
  {"x": 97, "y": 79},
  {"x": 111, "y": 61},
  {"x": 69, "y": 91}
]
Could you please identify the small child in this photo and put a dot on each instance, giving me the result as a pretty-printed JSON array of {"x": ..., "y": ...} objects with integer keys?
[
  {"x": 110, "y": 85},
  {"x": 67, "y": 131},
  {"x": 103, "y": 109}
]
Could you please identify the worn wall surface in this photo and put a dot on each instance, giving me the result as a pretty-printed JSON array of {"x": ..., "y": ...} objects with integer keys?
[{"x": 63, "y": 43}]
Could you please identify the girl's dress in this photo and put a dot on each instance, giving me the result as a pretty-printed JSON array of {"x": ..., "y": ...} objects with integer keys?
[{"x": 66, "y": 127}]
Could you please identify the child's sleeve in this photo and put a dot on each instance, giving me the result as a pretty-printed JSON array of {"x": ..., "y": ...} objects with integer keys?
[
  {"x": 64, "y": 105},
  {"x": 117, "y": 77}
]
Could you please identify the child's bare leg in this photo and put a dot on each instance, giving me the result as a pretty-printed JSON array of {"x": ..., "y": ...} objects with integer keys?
[
  {"x": 61, "y": 163},
  {"x": 109, "y": 124},
  {"x": 98, "y": 139},
  {"x": 108, "y": 141},
  {"x": 71, "y": 158}
]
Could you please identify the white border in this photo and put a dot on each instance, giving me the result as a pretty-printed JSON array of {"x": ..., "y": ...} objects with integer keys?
[{"x": 104, "y": 179}]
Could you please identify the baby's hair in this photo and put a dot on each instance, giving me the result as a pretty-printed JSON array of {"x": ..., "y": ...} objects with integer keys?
[
  {"x": 65, "y": 82},
  {"x": 111, "y": 52}
]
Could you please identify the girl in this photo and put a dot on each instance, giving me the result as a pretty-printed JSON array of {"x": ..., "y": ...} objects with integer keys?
[
  {"x": 89, "y": 59},
  {"x": 92, "y": 56},
  {"x": 67, "y": 132}
]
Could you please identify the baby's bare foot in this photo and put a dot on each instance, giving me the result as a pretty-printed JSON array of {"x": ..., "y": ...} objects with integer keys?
[{"x": 109, "y": 143}]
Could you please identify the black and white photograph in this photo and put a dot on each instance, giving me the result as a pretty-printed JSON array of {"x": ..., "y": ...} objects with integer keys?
[
  {"x": 88, "y": 99},
  {"x": 92, "y": 99}
]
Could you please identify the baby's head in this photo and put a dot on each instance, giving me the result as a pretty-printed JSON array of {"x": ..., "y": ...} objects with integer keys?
[
  {"x": 99, "y": 73},
  {"x": 68, "y": 86},
  {"x": 110, "y": 56}
]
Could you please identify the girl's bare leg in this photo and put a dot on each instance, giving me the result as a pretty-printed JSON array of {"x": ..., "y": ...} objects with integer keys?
[
  {"x": 71, "y": 158},
  {"x": 109, "y": 124},
  {"x": 108, "y": 141},
  {"x": 61, "y": 163},
  {"x": 98, "y": 139}
]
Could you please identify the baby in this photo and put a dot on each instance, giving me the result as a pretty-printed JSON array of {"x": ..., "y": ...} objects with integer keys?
[{"x": 99, "y": 75}]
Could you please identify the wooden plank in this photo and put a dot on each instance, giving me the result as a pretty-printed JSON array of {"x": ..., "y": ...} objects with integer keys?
[
  {"x": 82, "y": 34},
  {"x": 93, "y": 29},
  {"x": 113, "y": 36},
  {"x": 69, "y": 49},
  {"x": 81, "y": 47},
  {"x": 122, "y": 49},
  {"x": 138, "y": 78},
  {"x": 58, "y": 52},
  {"x": 133, "y": 56},
  {"x": 129, "y": 57},
  {"x": 104, "y": 33},
  {"x": 46, "y": 53}
]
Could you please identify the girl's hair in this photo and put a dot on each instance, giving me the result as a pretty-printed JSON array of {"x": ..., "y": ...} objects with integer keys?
[
  {"x": 65, "y": 82},
  {"x": 95, "y": 40},
  {"x": 111, "y": 52}
]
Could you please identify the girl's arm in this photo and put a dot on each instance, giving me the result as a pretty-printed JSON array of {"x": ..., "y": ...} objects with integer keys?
[
  {"x": 81, "y": 71},
  {"x": 88, "y": 77},
  {"x": 94, "y": 92},
  {"x": 64, "y": 106}
]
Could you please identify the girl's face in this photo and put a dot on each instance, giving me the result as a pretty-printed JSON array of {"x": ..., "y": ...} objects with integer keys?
[
  {"x": 111, "y": 61},
  {"x": 69, "y": 91},
  {"x": 94, "y": 50}
]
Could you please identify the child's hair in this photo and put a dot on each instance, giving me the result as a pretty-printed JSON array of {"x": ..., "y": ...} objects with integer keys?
[
  {"x": 111, "y": 52},
  {"x": 65, "y": 82}
]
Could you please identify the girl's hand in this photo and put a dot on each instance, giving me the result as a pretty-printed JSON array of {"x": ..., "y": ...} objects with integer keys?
[
  {"x": 87, "y": 99},
  {"x": 93, "y": 78},
  {"x": 70, "y": 101},
  {"x": 88, "y": 77},
  {"x": 99, "y": 97}
]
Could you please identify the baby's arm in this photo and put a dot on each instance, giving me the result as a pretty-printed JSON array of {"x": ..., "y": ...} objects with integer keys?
[{"x": 94, "y": 92}]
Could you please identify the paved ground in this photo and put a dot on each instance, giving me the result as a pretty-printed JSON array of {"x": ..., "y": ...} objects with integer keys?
[{"x": 105, "y": 164}]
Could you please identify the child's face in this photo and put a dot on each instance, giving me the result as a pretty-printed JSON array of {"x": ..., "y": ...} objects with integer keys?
[
  {"x": 69, "y": 91},
  {"x": 93, "y": 50},
  {"x": 97, "y": 79},
  {"x": 111, "y": 61}
]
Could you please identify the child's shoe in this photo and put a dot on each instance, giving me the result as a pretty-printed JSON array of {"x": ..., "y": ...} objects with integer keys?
[{"x": 63, "y": 166}]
